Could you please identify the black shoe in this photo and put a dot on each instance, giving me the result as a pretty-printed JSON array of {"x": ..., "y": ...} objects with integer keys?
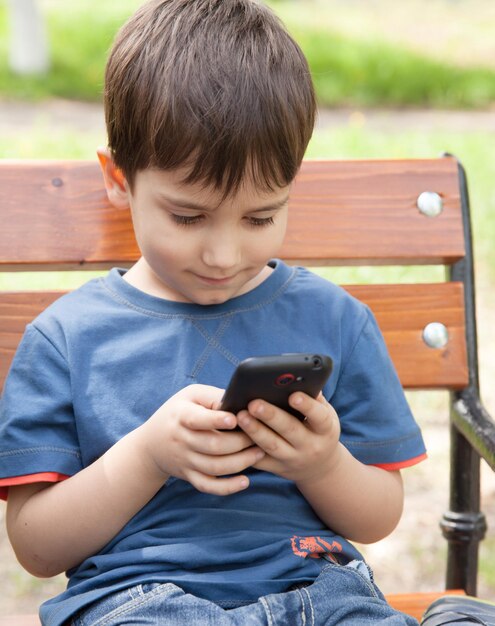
[{"x": 459, "y": 610}]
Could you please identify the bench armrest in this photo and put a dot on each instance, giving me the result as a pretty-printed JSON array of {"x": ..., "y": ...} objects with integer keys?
[{"x": 472, "y": 419}]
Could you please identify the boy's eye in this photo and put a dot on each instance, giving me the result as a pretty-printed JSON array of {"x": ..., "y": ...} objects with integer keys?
[
  {"x": 190, "y": 220},
  {"x": 186, "y": 220},
  {"x": 260, "y": 221}
]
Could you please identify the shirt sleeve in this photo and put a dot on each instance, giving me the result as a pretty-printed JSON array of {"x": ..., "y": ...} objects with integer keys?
[
  {"x": 377, "y": 424},
  {"x": 38, "y": 436}
]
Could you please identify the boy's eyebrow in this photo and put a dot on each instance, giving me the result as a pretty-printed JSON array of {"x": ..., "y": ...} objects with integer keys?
[{"x": 187, "y": 204}]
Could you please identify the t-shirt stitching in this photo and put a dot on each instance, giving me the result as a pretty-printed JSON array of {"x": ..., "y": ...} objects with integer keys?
[
  {"x": 66, "y": 361},
  {"x": 377, "y": 444},
  {"x": 212, "y": 343},
  {"x": 347, "y": 360},
  {"x": 53, "y": 345},
  {"x": 23, "y": 451},
  {"x": 209, "y": 316}
]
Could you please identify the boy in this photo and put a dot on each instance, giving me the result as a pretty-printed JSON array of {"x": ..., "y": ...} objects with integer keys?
[{"x": 120, "y": 467}]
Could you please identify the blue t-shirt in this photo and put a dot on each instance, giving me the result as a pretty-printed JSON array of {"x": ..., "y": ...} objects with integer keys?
[{"x": 102, "y": 359}]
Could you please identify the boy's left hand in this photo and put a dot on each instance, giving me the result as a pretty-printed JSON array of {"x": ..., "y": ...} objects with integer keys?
[{"x": 296, "y": 450}]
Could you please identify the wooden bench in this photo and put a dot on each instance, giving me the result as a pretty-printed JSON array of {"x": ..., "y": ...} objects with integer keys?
[{"x": 55, "y": 216}]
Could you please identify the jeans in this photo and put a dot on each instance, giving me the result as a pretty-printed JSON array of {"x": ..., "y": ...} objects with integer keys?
[{"x": 340, "y": 595}]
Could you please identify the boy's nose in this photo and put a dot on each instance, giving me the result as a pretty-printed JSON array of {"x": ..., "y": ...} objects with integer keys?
[{"x": 222, "y": 252}]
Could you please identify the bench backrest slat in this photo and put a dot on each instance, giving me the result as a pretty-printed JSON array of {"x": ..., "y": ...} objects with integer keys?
[
  {"x": 342, "y": 213},
  {"x": 56, "y": 215},
  {"x": 402, "y": 311}
]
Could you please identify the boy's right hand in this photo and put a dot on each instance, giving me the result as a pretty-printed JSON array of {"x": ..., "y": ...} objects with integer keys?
[
  {"x": 189, "y": 438},
  {"x": 55, "y": 526}
]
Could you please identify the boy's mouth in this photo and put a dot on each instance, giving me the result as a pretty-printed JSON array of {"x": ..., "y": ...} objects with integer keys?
[{"x": 211, "y": 280}]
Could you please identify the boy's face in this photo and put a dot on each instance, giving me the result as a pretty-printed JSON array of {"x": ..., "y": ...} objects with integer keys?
[{"x": 198, "y": 247}]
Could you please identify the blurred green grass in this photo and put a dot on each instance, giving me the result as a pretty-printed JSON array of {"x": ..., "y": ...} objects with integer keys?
[
  {"x": 375, "y": 73},
  {"x": 362, "y": 69},
  {"x": 80, "y": 35}
]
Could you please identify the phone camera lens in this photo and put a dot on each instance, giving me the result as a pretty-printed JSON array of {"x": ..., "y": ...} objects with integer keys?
[
  {"x": 317, "y": 364},
  {"x": 285, "y": 379}
]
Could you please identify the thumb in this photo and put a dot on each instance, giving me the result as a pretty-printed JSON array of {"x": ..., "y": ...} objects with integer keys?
[{"x": 205, "y": 395}]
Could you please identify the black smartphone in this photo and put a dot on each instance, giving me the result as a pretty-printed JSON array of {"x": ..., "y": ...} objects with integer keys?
[{"x": 275, "y": 378}]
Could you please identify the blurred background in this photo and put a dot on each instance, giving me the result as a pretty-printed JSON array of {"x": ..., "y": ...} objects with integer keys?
[{"x": 394, "y": 79}]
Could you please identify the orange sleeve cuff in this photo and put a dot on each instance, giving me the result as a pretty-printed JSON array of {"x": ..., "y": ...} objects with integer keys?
[
  {"x": 401, "y": 464},
  {"x": 27, "y": 479}
]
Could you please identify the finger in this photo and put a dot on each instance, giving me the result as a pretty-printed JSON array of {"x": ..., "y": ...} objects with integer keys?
[
  {"x": 218, "y": 486},
  {"x": 285, "y": 424},
  {"x": 319, "y": 414},
  {"x": 228, "y": 464},
  {"x": 197, "y": 417},
  {"x": 206, "y": 395},
  {"x": 264, "y": 424},
  {"x": 217, "y": 443},
  {"x": 270, "y": 464}
]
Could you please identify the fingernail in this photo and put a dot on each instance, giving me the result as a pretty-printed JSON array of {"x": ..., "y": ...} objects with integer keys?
[
  {"x": 244, "y": 482},
  {"x": 244, "y": 420},
  {"x": 259, "y": 455},
  {"x": 228, "y": 421},
  {"x": 297, "y": 400}
]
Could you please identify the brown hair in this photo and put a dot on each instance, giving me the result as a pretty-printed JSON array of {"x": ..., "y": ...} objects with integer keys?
[{"x": 218, "y": 86}]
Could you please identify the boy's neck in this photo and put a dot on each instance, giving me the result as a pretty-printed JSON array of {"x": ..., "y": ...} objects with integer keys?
[{"x": 142, "y": 277}]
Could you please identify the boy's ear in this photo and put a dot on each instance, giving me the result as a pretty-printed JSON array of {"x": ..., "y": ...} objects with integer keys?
[{"x": 117, "y": 190}]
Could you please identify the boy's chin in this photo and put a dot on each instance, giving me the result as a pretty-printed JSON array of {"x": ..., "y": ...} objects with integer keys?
[{"x": 211, "y": 299}]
